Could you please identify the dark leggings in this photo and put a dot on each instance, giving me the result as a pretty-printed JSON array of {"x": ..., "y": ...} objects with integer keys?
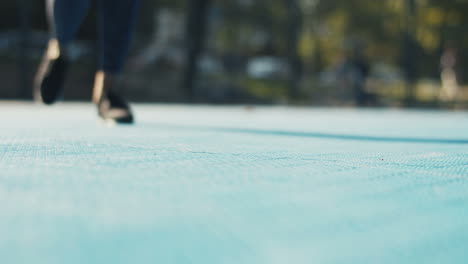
[{"x": 116, "y": 21}]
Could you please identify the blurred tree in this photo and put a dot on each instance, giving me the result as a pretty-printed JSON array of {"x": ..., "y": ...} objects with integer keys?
[
  {"x": 195, "y": 36},
  {"x": 409, "y": 54},
  {"x": 24, "y": 69},
  {"x": 314, "y": 33},
  {"x": 294, "y": 29}
]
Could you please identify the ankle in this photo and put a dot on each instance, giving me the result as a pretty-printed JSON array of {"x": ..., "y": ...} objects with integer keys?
[
  {"x": 103, "y": 84},
  {"x": 55, "y": 50}
]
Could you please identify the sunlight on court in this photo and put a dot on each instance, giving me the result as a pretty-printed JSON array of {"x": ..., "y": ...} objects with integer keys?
[{"x": 202, "y": 184}]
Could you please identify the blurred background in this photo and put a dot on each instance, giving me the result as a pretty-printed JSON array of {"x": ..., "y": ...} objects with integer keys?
[{"x": 392, "y": 53}]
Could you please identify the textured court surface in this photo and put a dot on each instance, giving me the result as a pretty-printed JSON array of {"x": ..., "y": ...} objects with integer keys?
[{"x": 233, "y": 185}]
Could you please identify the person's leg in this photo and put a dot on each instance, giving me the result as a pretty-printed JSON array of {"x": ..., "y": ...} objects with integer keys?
[
  {"x": 65, "y": 18},
  {"x": 116, "y": 24}
]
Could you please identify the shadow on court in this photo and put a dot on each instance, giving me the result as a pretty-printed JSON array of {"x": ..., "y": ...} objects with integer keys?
[{"x": 302, "y": 134}]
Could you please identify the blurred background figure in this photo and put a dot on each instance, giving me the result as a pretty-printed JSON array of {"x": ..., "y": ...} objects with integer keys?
[
  {"x": 166, "y": 40},
  {"x": 448, "y": 76},
  {"x": 260, "y": 52},
  {"x": 353, "y": 71}
]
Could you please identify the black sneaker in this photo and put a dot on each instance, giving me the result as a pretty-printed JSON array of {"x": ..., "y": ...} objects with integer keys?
[
  {"x": 49, "y": 80},
  {"x": 115, "y": 109},
  {"x": 111, "y": 107}
]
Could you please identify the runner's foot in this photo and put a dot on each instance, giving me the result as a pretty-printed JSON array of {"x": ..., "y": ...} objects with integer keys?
[
  {"x": 49, "y": 80},
  {"x": 111, "y": 106}
]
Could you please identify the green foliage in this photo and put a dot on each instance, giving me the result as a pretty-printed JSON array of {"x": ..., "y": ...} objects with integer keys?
[
  {"x": 329, "y": 30},
  {"x": 328, "y": 25}
]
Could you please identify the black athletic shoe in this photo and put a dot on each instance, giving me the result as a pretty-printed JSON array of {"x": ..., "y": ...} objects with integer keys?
[
  {"x": 49, "y": 80},
  {"x": 110, "y": 106},
  {"x": 114, "y": 108}
]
